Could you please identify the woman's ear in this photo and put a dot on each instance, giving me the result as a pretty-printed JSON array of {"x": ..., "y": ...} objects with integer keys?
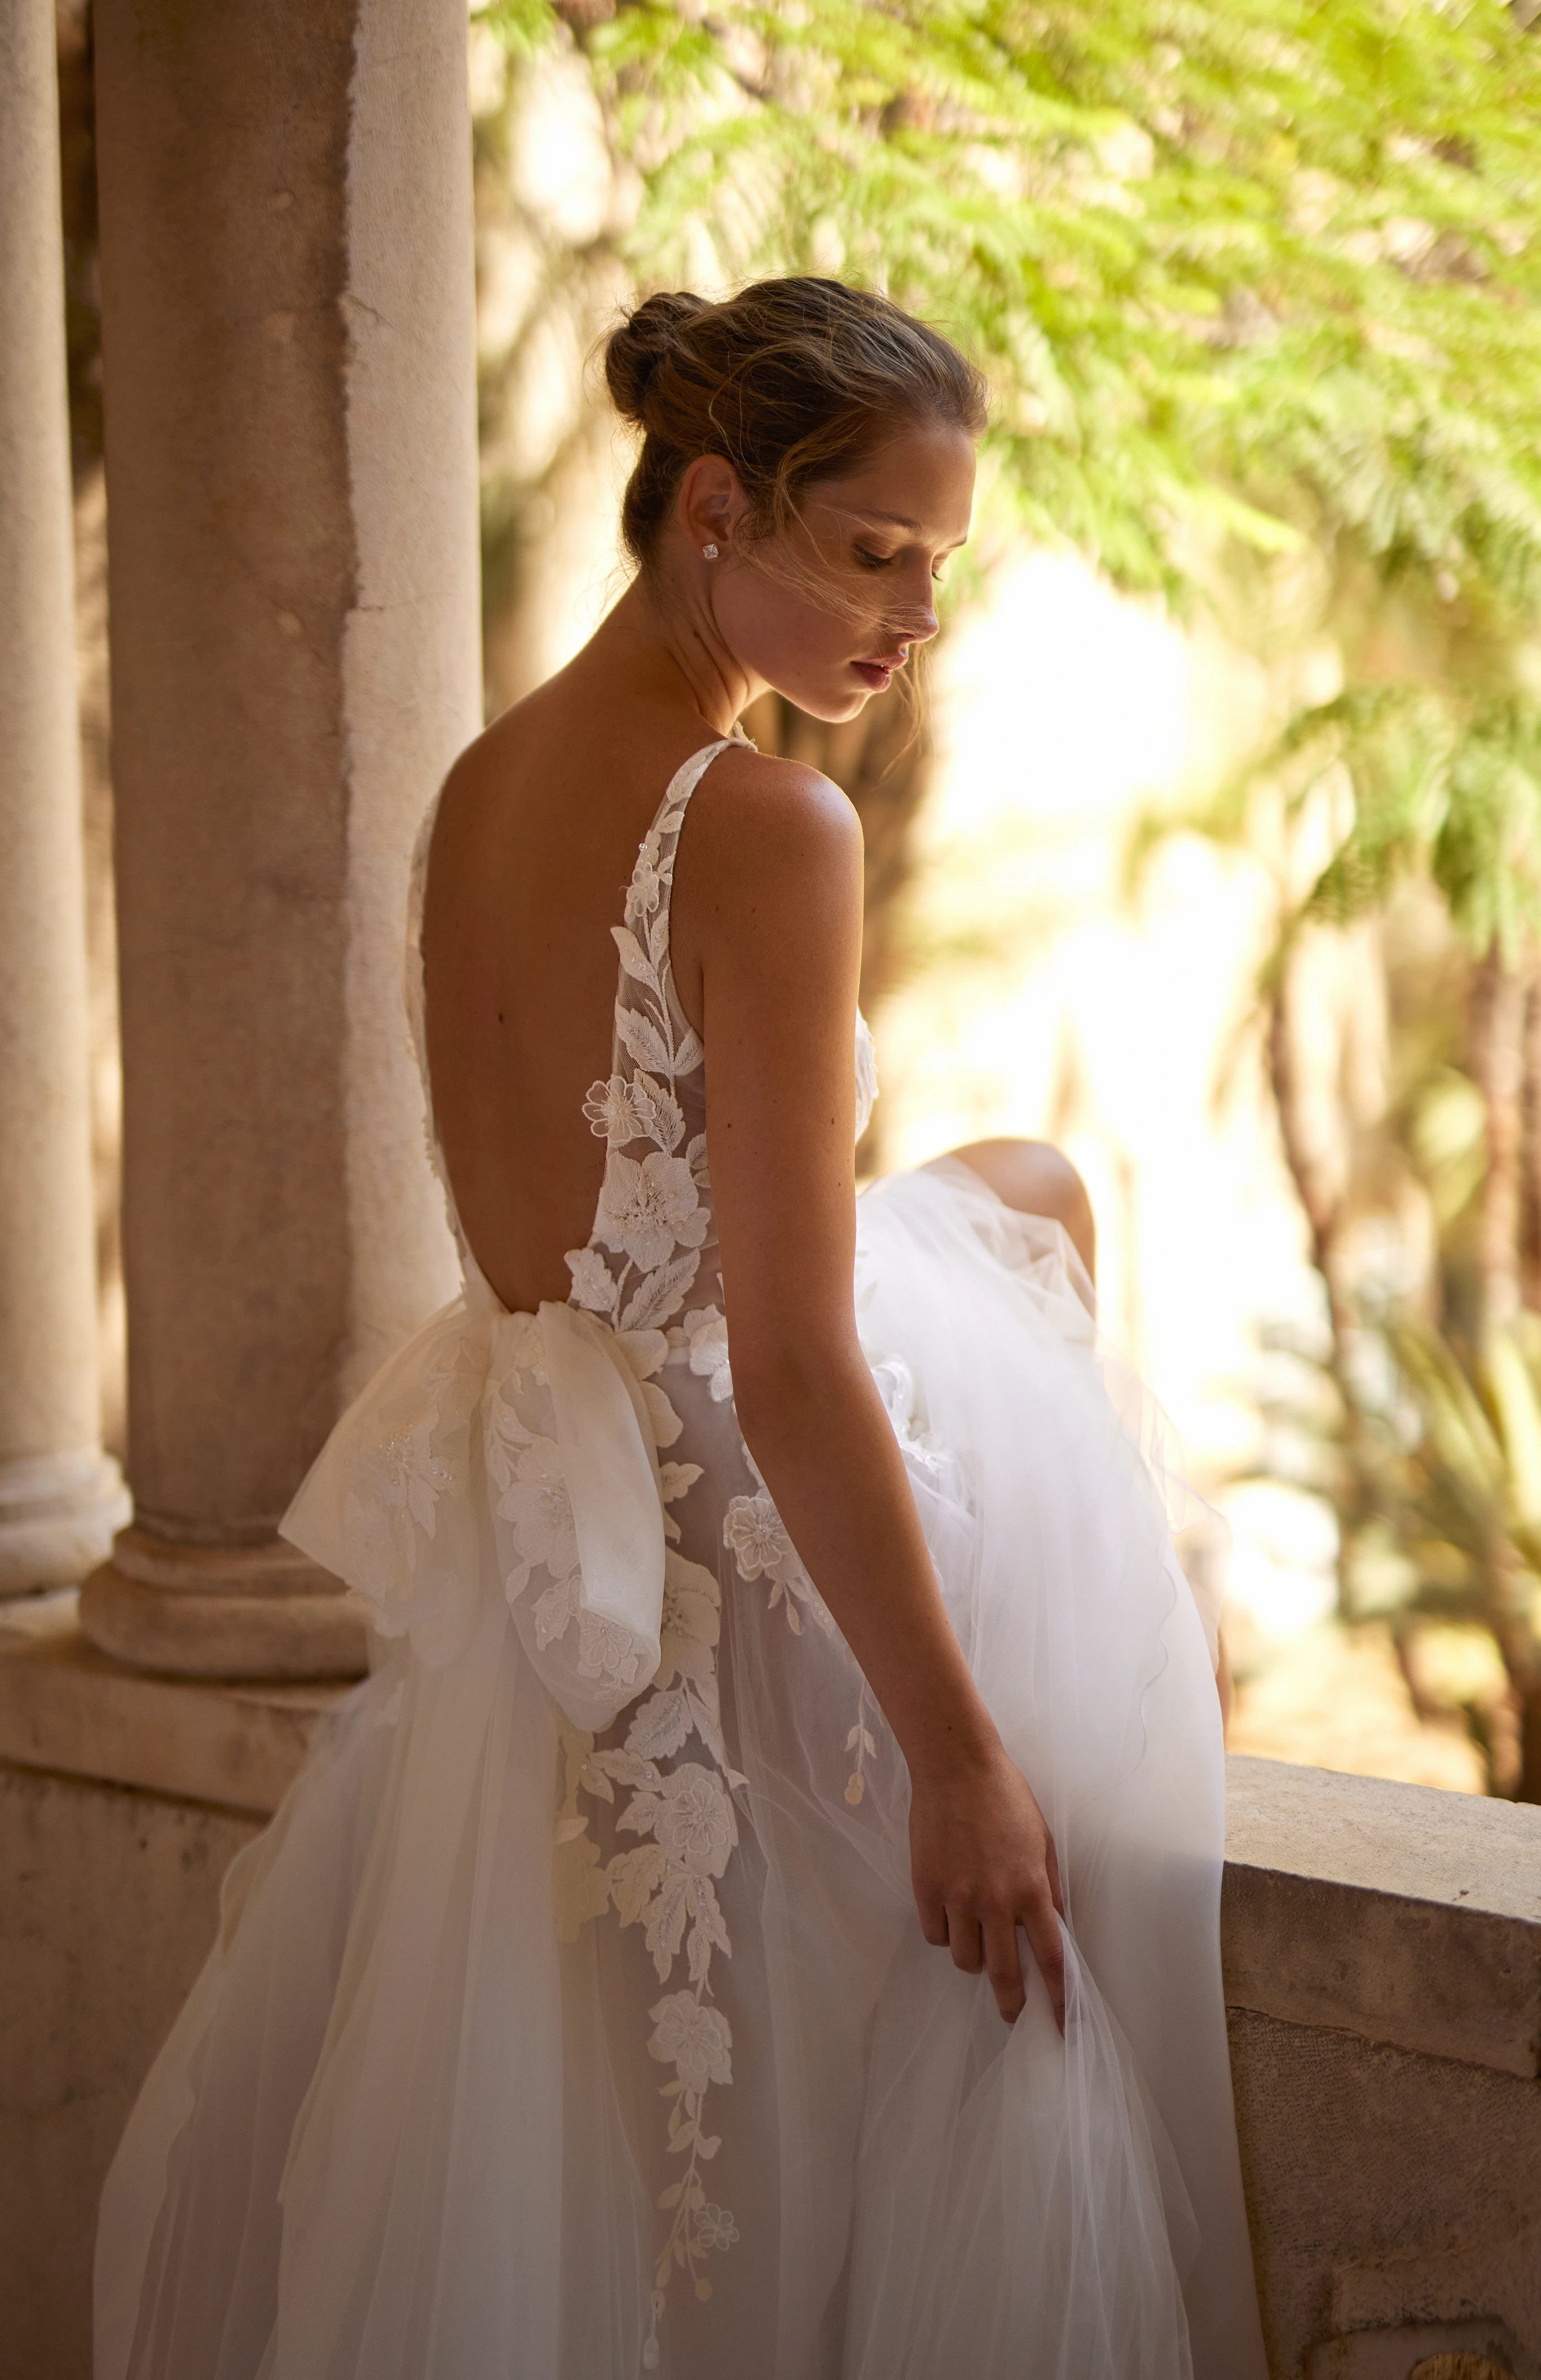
[{"x": 712, "y": 502}]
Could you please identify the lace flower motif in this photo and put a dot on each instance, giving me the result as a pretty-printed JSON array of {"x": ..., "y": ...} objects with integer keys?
[
  {"x": 645, "y": 881},
  {"x": 537, "y": 1506},
  {"x": 756, "y": 1535},
  {"x": 637, "y": 1270},
  {"x": 400, "y": 1476},
  {"x": 650, "y": 1207},
  {"x": 692, "y": 2038},
  {"x": 606, "y": 1649},
  {"x": 715, "y": 2227},
  {"x": 621, "y": 1111},
  {"x": 691, "y": 1817}
]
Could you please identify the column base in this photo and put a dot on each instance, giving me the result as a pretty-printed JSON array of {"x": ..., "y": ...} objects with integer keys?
[
  {"x": 65, "y": 1708},
  {"x": 58, "y": 1516},
  {"x": 223, "y": 1611}
]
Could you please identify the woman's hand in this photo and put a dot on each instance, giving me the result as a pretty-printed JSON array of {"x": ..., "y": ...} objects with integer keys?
[{"x": 982, "y": 1863}]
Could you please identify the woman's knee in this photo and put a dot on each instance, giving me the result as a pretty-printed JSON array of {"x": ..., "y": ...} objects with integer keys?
[{"x": 1038, "y": 1179}]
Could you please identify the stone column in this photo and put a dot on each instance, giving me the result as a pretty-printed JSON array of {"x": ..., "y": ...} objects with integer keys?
[
  {"x": 60, "y": 1497},
  {"x": 290, "y": 379}
]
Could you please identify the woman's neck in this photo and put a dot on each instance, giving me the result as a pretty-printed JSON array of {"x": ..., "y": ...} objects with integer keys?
[{"x": 668, "y": 644}]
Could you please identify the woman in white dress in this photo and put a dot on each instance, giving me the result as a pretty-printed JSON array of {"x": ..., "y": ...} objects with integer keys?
[{"x": 758, "y": 1921}]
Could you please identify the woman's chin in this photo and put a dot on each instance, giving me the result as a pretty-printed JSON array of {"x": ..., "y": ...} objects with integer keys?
[{"x": 832, "y": 704}]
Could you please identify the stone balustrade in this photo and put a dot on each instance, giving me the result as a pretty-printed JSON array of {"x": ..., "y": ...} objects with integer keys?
[
  {"x": 1382, "y": 1952},
  {"x": 1383, "y": 1973}
]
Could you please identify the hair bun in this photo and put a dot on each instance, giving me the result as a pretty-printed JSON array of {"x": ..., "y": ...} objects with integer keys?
[{"x": 634, "y": 352}]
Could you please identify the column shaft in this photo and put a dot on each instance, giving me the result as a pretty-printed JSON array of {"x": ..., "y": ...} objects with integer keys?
[
  {"x": 289, "y": 389},
  {"x": 60, "y": 1499}
]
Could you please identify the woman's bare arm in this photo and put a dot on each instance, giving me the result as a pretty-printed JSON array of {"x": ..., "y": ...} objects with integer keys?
[{"x": 768, "y": 902}]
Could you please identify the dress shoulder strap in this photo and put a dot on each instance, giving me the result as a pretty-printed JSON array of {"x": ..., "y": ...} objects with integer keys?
[{"x": 651, "y": 891}]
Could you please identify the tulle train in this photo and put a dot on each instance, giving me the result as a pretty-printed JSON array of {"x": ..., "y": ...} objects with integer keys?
[{"x": 402, "y": 2133}]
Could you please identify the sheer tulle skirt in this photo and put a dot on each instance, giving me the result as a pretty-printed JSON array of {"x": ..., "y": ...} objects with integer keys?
[{"x": 402, "y": 2133}]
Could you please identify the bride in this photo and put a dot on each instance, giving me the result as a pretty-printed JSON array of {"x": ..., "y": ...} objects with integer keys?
[{"x": 759, "y": 1920}]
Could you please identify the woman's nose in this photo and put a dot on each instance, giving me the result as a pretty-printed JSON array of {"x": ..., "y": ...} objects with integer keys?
[{"x": 919, "y": 621}]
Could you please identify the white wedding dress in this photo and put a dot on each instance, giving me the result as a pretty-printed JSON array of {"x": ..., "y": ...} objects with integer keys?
[{"x": 572, "y": 2021}]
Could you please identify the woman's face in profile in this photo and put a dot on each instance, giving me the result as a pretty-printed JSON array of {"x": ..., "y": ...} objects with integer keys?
[{"x": 877, "y": 540}]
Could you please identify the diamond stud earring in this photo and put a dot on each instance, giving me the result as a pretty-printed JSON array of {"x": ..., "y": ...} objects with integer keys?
[{"x": 710, "y": 553}]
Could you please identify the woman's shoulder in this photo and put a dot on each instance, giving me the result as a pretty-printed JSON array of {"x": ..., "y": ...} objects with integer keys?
[
  {"x": 757, "y": 813},
  {"x": 502, "y": 754},
  {"x": 768, "y": 870}
]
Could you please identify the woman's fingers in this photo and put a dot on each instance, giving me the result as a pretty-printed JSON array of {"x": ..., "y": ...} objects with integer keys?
[
  {"x": 1052, "y": 1864},
  {"x": 984, "y": 1867},
  {"x": 1001, "y": 1955},
  {"x": 1003, "y": 1965},
  {"x": 1047, "y": 1943},
  {"x": 933, "y": 1915},
  {"x": 990, "y": 1946},
  {"x": 963, "y": 1940}
]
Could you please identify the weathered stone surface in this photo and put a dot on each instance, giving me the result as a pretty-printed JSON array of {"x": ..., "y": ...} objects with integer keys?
[
  {"x": 1384, "y": 2188},
  {"x": 110, "y": 1902},
  {"x": 1407, "y": 1915},
  {"x": 214, "y": 1636},
  {"x": 64, "y": 1705}
]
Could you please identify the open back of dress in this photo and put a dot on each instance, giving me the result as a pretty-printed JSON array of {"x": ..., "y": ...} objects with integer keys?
[{"x": 573, "y": 2019}]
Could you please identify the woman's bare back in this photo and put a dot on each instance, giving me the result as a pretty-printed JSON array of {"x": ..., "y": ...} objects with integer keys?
[{"x": 536, "y": 839}]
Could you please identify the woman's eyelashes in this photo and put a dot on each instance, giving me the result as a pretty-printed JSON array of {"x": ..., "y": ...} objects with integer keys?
[{"x": 881, "y": 561}]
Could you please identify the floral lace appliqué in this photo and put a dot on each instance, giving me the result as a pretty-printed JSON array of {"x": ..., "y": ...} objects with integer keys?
[
  {"x": 636, "y": 1273},
  {"x": 669, "y": 1782}
]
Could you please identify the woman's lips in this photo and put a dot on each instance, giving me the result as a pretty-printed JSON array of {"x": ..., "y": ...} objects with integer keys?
[{"x": 877, "y": 674}]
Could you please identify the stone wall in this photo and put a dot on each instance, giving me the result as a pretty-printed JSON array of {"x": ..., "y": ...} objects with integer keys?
[
  {"x": 1383, "y": 1970},
  {"x": 1383, "y": 1966}
]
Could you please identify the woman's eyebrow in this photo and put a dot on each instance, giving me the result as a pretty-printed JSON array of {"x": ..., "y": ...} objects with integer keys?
[{"x": 900, "y": 521}]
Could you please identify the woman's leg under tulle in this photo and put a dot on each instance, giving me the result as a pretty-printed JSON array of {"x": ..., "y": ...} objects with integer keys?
[{"x": 1036, "y": 1178}]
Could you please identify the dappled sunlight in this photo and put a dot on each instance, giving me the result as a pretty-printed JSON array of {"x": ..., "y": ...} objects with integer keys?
[{"x": 1043, "y": 998}]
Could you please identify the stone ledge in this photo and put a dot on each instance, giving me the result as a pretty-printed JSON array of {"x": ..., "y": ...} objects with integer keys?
[
  {"x": 1397, "y": 1913},
  {"x": 66, "y": 1707}
]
